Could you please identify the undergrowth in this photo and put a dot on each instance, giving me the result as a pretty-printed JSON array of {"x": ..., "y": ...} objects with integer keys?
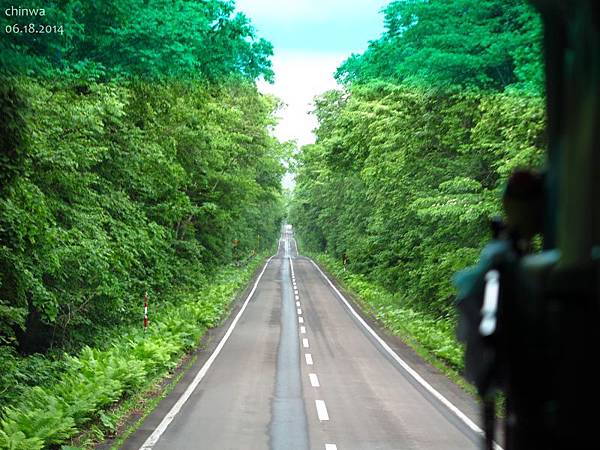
[
  {"x": 81, "y": 388},
  {"x": 435, "y": 334}
]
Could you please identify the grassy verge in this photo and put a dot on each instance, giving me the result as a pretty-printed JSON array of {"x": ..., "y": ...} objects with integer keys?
[
  {"x": 144, "y": 403},
  {"x": 433, "y": 338},
  {"x": 89, "y": 385}
]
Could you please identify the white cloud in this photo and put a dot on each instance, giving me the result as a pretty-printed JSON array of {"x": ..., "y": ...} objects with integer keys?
[
  {"x": 311, "y": 39},
  {"x": 299, "y": 78}
]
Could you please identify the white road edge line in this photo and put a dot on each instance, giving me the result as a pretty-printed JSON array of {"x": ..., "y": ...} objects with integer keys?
[
  {"x": 418, "y": 378},
  {"x": 330, "y": 447},
  {"x": 300, "y": 320},
  {"x": 299, "y": 311},
  {"x": 314, "y": 380},
  {"x": 305, "y": 343},
  {"x": 302, "y": 330},
  {"x": 321, "y": 410},
  {"x": 298, "y": 304},
  {"x": 308, "y": 358},
  {"x": 162, "y": 426}
]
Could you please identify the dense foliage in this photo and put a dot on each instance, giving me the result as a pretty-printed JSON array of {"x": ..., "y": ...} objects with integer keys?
[
  {"x": 47, "y": 414},
  {"x": 119, "y": 38},
  {"x": 113, "y": 190},
  {"x": 412, "y": 153},
  {"x": 136, "y": 155},
  {"x": 454, "y": 43},
  {"x": 402, "y": 181}
]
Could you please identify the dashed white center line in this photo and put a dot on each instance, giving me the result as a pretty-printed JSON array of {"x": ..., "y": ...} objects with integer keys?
[
  {"x": 322, "y": 413},
  {"x": 321, "y": 410},
  {"x": 314, "y": 380}
]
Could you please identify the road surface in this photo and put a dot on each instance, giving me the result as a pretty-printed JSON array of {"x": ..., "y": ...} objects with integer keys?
[{"x": 298, "y": 369}]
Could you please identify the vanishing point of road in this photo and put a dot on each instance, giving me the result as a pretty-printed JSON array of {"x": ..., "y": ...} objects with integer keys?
[{"x": 298, "y": 368}]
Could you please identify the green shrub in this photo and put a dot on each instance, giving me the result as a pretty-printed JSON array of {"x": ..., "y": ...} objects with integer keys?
[
  {"x": 97, "y": 378},
  {"x": 435, "y": 334}
]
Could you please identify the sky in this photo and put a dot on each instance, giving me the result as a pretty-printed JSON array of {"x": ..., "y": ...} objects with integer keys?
[{"x": 311, "y": 38}]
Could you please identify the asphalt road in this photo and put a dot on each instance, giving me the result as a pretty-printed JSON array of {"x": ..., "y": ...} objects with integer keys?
[{"x": 299, "y": 370}]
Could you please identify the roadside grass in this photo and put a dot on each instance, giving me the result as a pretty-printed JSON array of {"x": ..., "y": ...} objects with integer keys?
[
  {"x": 95, "y": 389},
  {"x": 141, "y": 405},
  {"x": 432, "y": 338}
]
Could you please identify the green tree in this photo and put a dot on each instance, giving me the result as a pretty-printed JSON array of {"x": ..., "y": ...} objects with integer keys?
[
  {"x": 121, "y": 189},
  {"x": 403, "y": 179},
  {"x": 487, "y": 44},
  {"x": 150, "y": 39}
]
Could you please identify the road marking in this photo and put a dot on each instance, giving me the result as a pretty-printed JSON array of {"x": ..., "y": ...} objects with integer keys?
[
  {"x": 300, "y": 320},
  {"x": 162, "y": 426},
  {"x": 297, "y": 297},
  {"x": 296, "y": 291},
  {"x": 305, "y": 343},
  {"x": 314, "y": 380},
  {"x": 308, "y": 358},
  {"x": 303, "y": 330},
  {"x": 321, "y": 410},
  {"x": 330, "y": 447},
  {"x": 299, "y": 311},
  {"x": 418, "y": 378},
  {"x": 297, "y": 303}
]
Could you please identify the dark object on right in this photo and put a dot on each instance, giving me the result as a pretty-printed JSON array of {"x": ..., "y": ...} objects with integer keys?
[{"x": 531, "y": 321}]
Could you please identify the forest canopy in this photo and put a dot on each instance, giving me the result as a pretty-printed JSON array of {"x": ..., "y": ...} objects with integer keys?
[
  {"x": 153, "y": 39},
  {"x": 485, "y": 44}
]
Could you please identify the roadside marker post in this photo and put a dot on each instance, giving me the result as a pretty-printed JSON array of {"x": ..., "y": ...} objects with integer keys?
[{"x": 145, "y": 312}]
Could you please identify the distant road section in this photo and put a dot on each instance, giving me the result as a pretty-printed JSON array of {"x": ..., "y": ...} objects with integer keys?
[{"x": 297, "y": 370}]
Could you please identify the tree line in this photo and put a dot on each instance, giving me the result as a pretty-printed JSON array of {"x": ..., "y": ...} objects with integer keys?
[
  {"x": 413, "y": 150},
  {"x": 136, "y": 155}
]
